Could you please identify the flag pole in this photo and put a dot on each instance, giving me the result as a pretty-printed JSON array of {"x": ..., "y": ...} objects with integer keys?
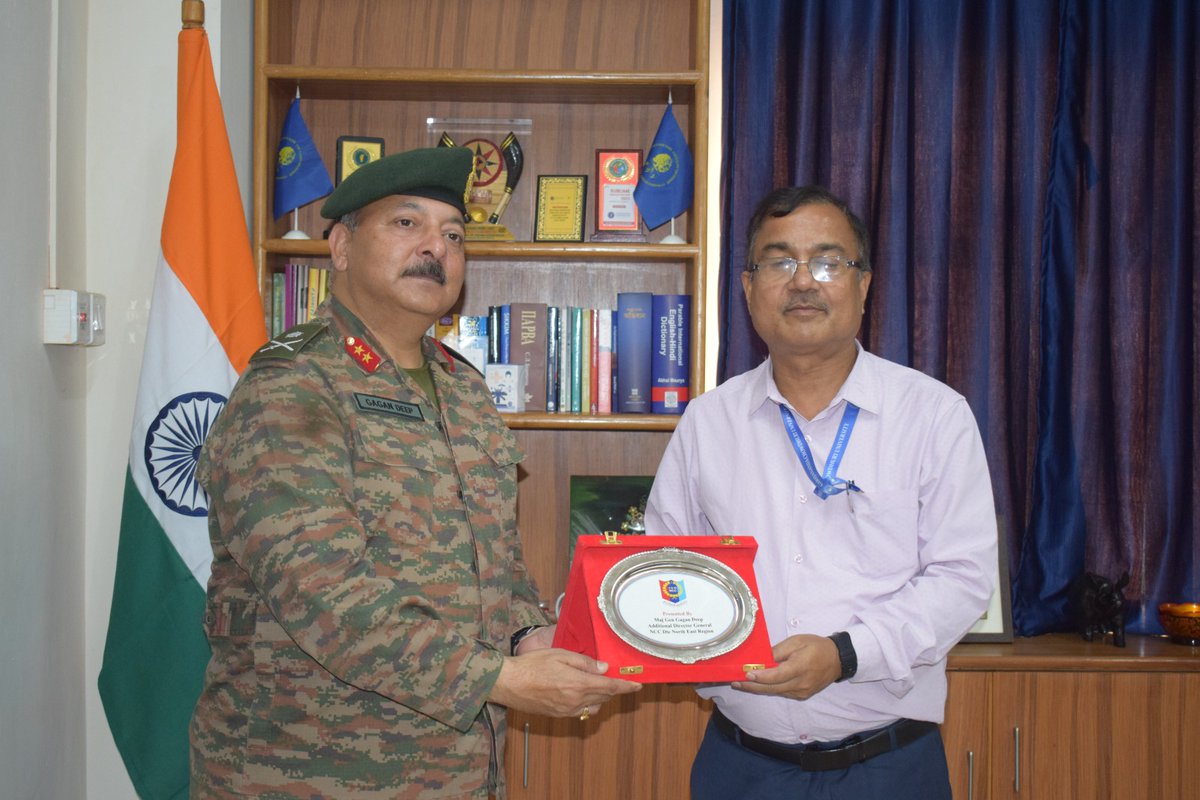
[
  {"x": 192, "y": 13},
  {"x": 671, "y": 238},
  {"x": 295, "y": 232}
]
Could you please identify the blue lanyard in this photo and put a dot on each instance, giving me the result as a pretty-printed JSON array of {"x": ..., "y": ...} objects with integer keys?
[{"x": 826, "y": 484}]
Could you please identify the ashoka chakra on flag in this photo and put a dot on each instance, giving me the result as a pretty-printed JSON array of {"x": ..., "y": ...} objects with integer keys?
[{"x": 173, "y": 447}]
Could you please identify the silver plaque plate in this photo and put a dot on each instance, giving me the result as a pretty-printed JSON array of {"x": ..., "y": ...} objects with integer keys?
[{"x": 678, "y": 605}]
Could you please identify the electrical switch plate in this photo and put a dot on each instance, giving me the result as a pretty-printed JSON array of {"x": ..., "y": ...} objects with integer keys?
[{"x": 71, "y": 317}]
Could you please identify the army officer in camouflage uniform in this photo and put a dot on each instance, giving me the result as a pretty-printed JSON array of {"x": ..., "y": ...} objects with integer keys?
[{"x": 367, "y": 579}]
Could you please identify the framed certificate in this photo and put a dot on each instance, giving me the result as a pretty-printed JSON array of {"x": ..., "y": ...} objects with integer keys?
[
  {"x": 617, "y": 174},
  {"x": 561, "y": 200},
  {"x": 355, "y": 151}
]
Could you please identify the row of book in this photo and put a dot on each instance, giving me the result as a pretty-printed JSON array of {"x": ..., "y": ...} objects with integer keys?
[
  {"x": 295, "y": 294},
  {"x": 634, "y": 359}
]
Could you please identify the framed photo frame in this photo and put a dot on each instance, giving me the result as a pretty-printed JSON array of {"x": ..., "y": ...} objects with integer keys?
[
  {"x": 617, "y": 174},
  {"x": 996, "y": 623},
  {"x": 356, "y": 151},
  {"x": 559, "y": 213}
]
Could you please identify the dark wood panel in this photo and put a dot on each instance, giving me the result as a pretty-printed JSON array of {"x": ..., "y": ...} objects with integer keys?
[
  {"x": 544, "y": 505},
  {"x": 966, "y": 732},
  {"x": 498, "y": 34},
  {"x": 639, "y": 746}
]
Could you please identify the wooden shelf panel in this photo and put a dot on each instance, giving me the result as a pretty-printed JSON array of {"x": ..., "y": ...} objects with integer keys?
[{"x": 482, "y": 86}]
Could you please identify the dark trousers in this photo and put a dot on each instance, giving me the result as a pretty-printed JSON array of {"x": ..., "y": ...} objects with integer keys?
[{"x": 724, "y": 770}]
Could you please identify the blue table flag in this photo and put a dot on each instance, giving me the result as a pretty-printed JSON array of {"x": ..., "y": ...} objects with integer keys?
[
  {"x": 664, "y": 189},
  {"x": 300, "y": 174}
]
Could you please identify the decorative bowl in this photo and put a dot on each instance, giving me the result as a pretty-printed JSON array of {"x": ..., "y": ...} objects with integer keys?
[{"x": 1181, "y": 621}]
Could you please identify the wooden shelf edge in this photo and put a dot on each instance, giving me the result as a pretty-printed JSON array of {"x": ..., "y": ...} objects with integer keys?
[
  {"x": 405, "y": 75},
  {"x": 467, "y": 85},
  {"x": 608, "y": 422},
  {"x": 1068, "y": 652},
  {"x": 595, "y": 251}
]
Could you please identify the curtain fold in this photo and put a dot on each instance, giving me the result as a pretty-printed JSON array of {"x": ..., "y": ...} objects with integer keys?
[{"x": 1028, "y": 173}]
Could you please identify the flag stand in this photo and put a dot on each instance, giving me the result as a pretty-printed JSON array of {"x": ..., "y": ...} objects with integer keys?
[
  {"x": 671, "y": 238},
  {"x": 296, "y": 233}
]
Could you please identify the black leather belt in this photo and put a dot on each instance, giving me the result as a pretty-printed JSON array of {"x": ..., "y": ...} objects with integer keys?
[{"x": 893, "y": 737}]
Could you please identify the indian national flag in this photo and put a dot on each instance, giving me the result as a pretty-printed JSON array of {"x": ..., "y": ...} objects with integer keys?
[{"x": 206, "y": 319}]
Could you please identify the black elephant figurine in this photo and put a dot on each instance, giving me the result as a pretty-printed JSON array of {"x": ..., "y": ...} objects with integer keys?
[{"x": 1099, "y": 606}]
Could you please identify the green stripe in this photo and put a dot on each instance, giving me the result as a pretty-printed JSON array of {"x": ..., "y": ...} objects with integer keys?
[{"x": 155, "y": 654}]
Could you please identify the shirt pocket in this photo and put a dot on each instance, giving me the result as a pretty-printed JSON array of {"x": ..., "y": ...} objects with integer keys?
[{"x": 884, "y": 539}]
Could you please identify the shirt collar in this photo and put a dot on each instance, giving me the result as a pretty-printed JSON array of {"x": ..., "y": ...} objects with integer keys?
[
  {"x": 861, "y": 386},
  {"x": 345, "y": 323}
]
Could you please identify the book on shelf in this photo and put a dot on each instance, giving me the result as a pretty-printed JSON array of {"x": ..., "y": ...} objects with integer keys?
[
  {"x": 553, "y": 356},
  {"x": 313, "y": 296},
  {"x": 528, "y": 346},
  {"x": 604, "y": 361},
  {"x": 278, "y": 298},
  {"x": 446, "y": 326},
  {"x": 493, "y": 318},
  {"x": 576, "y": 371},
  {"x": 473, "y": 340},
  {"x": 671, "y": 352},
  {"x": 505, "y": 334},
  {"x": 634, "y": 340},
  {"x": 586, "y": 398}
]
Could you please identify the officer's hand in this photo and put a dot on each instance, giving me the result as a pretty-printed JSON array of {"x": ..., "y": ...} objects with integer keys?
[
  {"x": 806, "y": 665},
  {"x": 556, "y": 683}
]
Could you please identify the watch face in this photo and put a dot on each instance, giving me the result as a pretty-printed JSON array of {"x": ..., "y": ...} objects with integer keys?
[{"x": 678, "y": 605}]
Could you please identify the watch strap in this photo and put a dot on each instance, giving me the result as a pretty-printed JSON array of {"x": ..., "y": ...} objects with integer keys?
[{"x": 846, "y": 655}]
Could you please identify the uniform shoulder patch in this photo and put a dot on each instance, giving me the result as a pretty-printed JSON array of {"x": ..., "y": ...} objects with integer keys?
[{"x": 288, "y": 344}]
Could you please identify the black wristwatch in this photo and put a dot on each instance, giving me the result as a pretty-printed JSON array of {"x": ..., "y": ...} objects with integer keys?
[
  {"x": 519, "y": 636},
  {"x": 846, "y": 655}
]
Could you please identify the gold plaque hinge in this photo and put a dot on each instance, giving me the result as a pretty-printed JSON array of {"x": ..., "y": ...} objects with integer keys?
[
  {"x": 610, "y": 537},
  {"x": 728, "y": 540},
  {"x": 636, "y": 670}
]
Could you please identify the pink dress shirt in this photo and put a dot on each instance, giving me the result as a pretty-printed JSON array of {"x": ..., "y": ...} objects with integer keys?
[{"x": 905, "y": 566}]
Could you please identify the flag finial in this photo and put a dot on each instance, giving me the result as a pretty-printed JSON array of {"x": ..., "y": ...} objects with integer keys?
[{"x": 192, "y": 12}]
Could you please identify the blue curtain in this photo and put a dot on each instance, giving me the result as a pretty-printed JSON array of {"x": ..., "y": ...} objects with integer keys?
[{"x": 1028, "y": 171}]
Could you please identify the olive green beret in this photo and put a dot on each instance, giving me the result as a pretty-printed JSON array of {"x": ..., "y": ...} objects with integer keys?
[{"x": 439, "y": 173}]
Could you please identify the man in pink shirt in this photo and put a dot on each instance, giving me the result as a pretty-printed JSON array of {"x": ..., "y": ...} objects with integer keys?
[{"x": 866, "y": 487}]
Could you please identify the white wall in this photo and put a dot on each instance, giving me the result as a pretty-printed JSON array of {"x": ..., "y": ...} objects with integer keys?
[
  {"x": 87, "y": 137},
  {"x": 131, "y": 69},
  {"x": 42, "y": 394}
]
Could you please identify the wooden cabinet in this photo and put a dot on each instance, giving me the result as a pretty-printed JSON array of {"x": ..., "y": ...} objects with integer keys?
[
  {"x": 639, "y": 746},
  {"x": 1056, "y": 717}
]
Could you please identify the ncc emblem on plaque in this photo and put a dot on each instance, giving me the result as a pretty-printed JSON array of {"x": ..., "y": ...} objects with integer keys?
[{"x": 672, "y": 591}]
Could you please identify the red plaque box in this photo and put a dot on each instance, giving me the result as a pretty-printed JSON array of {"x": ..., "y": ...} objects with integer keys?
[{"x": 666, "y": 609}]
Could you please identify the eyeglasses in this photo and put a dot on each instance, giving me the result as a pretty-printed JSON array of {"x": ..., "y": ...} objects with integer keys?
[{"x": 824, "y": 269}]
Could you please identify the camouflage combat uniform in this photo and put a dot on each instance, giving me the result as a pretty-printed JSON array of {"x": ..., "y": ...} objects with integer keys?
[{"x": 366, "y": 578}]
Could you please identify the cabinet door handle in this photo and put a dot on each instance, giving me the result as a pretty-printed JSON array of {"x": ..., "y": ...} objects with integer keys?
[
  {"x": 1017, "y": 760},
  {"x": 970, "y": 775},
  {"x": 525, "y": 759}
]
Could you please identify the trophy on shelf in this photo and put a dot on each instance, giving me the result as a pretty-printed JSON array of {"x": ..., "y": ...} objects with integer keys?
[{"x": 495, "y": 167}]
